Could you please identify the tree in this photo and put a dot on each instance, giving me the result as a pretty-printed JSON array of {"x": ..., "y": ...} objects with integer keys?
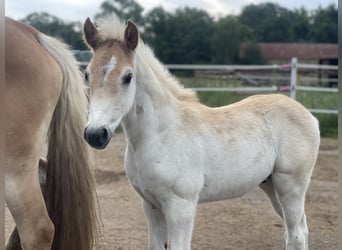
[
  {"x": 324, "y": 25},
  {"x": 180, "y": 37},
  {"x": 157, "y": 32},
  {"x": 190, "y": 36},
  {"x": 301, "y": 25},
  {"x": 269, "y": 22},
  {"x": 227, "y": 37},
  {"x": 55, "y": 27},
  {"x": 125, "y": 9}
]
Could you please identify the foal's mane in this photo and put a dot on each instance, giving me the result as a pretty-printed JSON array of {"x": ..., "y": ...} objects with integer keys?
[{"x": 111, "y": 28}]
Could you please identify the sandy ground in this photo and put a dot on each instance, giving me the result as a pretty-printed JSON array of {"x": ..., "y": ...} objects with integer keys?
[{"x": 246, "y": 223}]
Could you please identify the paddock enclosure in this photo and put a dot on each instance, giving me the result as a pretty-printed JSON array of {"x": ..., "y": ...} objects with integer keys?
[{"x": 245, "y": 223}]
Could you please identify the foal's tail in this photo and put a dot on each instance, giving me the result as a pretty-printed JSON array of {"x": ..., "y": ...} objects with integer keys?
[{"x": 70, "y": 189}]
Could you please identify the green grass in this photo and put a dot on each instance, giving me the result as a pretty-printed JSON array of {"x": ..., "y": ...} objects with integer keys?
[
  {"x": 318, "y": 100},
  {"x": 314, "y": 100}
]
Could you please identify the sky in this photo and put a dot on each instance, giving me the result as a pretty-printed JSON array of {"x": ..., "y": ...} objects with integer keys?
[{"x": 79, "y": 10}]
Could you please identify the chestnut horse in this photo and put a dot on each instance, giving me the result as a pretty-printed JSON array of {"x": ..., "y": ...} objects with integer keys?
[
  {"x": 45, "y": 97},
  {"x": 180, "y": 152}
]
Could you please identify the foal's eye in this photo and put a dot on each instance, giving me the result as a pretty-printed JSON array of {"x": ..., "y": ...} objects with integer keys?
[{"x": 127, "y": 78}]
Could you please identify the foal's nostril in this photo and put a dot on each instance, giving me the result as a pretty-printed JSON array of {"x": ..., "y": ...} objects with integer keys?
[
  {"x": 103, "y": 135},
  {"x": 85, "y": 134}
]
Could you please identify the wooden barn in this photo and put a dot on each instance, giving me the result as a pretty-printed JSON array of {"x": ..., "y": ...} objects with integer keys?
[
  {"x": 306, "y": 53},
  {"x": 311, "y": 53}
]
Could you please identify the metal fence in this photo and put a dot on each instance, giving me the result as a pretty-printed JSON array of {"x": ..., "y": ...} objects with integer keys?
[
  {"x": 290, "y": 80},
  {"x": 292, "y": 85}
]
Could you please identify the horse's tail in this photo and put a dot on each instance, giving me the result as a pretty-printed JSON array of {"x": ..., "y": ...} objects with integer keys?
[{"x": 70, "y": 188}]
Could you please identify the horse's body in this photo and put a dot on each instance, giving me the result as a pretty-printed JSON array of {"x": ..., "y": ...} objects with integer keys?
[
  {"x": 181, "y": 152},
  {"x": 44, "y": 97},
  {"x": 218, "y": 153}
]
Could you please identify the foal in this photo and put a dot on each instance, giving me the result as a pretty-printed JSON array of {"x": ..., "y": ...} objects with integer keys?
[{"x": 181, "y": 152}]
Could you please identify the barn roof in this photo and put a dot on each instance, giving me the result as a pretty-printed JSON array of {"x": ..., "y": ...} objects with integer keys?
[{"x": 299, "y": 50}]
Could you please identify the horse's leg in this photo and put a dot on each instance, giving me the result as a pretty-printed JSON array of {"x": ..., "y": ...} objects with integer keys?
[
  {"x": 156, "y": 227},
  {"x": 180, "y": 215},
  {"x": 268, "y": 188},
  {"x": 26, "y": 204},
  {"x": 291, "y": 191},
  {"x": 14, "y": 242}
]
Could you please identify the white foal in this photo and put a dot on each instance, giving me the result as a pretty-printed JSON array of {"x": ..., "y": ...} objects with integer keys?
[{"x": 181, "y": 152}]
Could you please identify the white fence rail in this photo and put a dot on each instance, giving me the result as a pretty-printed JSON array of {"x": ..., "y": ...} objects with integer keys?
[{"x": 292, "y": 87}]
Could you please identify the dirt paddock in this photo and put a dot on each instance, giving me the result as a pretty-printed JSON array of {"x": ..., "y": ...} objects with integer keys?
[{"x": 246, "y": 223}]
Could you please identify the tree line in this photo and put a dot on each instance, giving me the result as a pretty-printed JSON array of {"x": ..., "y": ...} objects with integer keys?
[{"x": 192, "y": 36}]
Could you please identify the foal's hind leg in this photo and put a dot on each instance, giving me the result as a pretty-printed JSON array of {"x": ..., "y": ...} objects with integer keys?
[
  {"x": 291, "y": 191},
  {"x": 268, "y": 188}
]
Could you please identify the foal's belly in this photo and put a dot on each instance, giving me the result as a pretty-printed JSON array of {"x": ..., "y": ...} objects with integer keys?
[
  {"x": 213, "y": 171},
  {"x": 233, "y": 179}
]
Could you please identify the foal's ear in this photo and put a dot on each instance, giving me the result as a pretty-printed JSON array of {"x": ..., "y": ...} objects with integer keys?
[
  {"x": 131, "y": 35},
  {"x": 90, "y": 33}
]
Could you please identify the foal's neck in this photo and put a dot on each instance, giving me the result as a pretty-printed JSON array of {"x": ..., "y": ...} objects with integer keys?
[{"x": 154, "y": 107}]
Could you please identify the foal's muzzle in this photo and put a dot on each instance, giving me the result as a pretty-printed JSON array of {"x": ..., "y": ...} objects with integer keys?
[{"x": 97, "y": 138}]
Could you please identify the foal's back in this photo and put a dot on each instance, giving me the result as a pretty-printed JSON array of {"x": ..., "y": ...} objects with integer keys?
[{"x": 276, "y": 112}]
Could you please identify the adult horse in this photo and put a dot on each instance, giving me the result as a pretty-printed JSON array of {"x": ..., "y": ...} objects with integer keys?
[
  {"x": 45, "y": 96},
  {"x": 181, "y": 152}
]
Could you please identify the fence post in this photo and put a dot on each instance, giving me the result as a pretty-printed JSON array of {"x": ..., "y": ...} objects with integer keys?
[{"x": 293, "y": 78}]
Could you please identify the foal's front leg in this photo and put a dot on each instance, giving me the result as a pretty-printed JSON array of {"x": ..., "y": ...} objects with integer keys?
[
  {"x": 157, "y": 228},
  {"x": 180, "y": 215}
]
